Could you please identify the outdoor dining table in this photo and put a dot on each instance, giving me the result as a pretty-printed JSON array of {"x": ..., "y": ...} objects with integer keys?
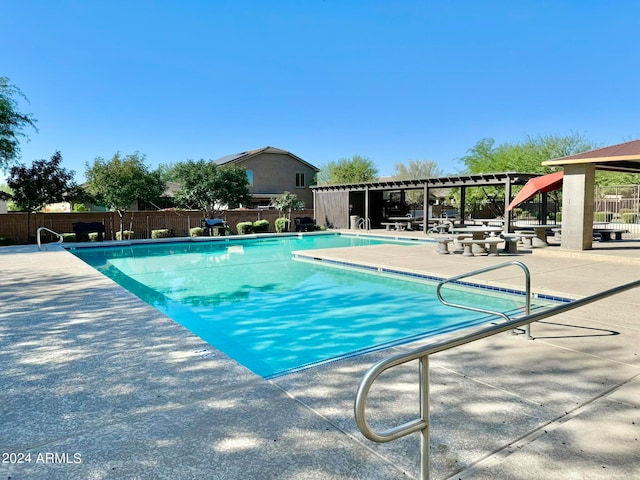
[
  {"x": 540, "y": 231},
  {"x": 488, "y": 221},
  {"x": 407, "y": 222},
  {"x": 478, "y": 233}
]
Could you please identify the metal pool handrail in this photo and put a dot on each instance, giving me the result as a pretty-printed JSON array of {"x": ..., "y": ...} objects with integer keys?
[
  {"x": 60, "y": 237},
  {"x": 422, "y": 354},
  {"x": 527, "y": 288}
]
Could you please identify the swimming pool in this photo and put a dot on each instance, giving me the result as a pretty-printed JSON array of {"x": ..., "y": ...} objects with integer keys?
[{"x": 250, "y": 299}]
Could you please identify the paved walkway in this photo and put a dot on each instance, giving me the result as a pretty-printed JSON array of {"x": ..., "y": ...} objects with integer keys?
[{"x": 96, "y": 384}]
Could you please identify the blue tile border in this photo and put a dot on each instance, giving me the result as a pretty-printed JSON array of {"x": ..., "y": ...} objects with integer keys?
[{"x": 423, "y": 276}]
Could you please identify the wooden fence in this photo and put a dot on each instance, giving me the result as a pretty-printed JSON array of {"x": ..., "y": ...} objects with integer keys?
[{"x": 13, "y": 226}]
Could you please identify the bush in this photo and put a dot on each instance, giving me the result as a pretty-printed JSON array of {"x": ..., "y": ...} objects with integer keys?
[
  {"x": 602, "y": 216},
  {"x": 162, "y": 233},
  {"x": 128, "y": 235},
  {"x": 5, "y": 241},
  {"x": 629, "y": 217},
  {"x": 68, "y": 237},
  {"x": 196, "y": 232},
  {"x": 261, "y": 226},
  {"x": 282, "y": 224},
  {"x": 244, "y": 228}
]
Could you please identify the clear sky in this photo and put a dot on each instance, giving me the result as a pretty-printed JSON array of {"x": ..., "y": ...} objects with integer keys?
[{"x": 392, "y": 80}]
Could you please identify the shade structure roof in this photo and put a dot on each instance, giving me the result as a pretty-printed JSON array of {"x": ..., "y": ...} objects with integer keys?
[
  {"x": 623, "y": 157},
  {"x": 541, "y": 184}
]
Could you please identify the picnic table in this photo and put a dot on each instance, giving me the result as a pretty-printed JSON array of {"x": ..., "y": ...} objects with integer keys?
[
  {"x": 478, "y": 233},
  {"x": 402, "y": 223}
]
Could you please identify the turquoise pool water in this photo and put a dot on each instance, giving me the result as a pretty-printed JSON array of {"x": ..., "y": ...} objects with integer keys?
[{"x": 253, "y": 301}]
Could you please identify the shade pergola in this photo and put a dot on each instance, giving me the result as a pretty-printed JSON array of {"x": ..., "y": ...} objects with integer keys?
[
  {"x": 578, "y": 187},
  {"x": 333, "y": 204}
]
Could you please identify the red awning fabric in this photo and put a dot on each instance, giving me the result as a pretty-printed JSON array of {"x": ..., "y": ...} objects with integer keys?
[{"x": 542, "y": 184}]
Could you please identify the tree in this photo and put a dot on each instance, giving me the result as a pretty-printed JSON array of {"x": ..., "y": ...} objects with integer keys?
[
  {"x": 416, "y": 169},
  {"x": 42, "y": 183},
  {"x": 12, "y": 122},
  {"x": 120, "y": 182},
  {"x": 285, "y": 202},
  {"x": 354, "y": 170},
  {"x": 525, "y": 157},
  {"x": 207, "y": 187}
]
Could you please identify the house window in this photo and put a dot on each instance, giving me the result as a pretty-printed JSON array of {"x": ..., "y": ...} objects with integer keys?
[
  {"x": 300, "y": 180},
  {"x": 250, "y": 177}
]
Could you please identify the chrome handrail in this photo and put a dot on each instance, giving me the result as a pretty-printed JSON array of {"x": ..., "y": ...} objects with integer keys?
[
  {"x": 422, "y": 354},
  {"x": 527, "y": 288},
  {"x": 60, "y": 237},
  {"x": 364, "y": 224}
]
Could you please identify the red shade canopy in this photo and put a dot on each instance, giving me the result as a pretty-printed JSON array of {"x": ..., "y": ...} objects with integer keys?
[{"x": 542, "y": 184}]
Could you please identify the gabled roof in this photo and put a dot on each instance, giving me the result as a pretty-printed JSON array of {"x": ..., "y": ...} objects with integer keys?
[
  {"x": 623, "y": 157},
  {"x": 239, "y": 157}
]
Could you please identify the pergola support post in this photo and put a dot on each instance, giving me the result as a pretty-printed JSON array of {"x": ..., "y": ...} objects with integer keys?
[{"x": 577, "y": 206}]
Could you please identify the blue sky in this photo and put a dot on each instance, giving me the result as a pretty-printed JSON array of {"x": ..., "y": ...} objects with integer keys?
[{"x": 392, "y": 80}]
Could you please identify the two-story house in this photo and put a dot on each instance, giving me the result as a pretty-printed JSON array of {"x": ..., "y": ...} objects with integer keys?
[{"x": 272, "y": 171}]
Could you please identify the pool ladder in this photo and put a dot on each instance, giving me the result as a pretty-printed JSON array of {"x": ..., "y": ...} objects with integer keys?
[
  {"x": 423, "y": 353},
  {"x": 527, "y": 292},
  {"x": 364, "y": 224},
  {"x": 40, "y": 230}
]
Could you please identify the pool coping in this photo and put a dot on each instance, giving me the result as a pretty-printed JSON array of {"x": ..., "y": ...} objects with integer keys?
[{"x": 220, "y": 421}]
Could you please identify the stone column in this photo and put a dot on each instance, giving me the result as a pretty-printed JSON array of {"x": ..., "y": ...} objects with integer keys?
[{"x": 577, "y": 206}]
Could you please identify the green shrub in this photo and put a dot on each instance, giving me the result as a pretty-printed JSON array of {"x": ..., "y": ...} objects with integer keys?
[
  {"x": 602, "y": 216},
  {"x": 196, "y": 232},
  {"x": 68, "y": 237},
  {"x": 282, "y": 224},
  {"x": 629, "y": 217},
  {"x": 128, "y": 235},
  {"x": 244, "y": 228},
  {"x": 161, "y": 233},
  {"x": 261, "y": 226},
  {"x": 93, "y": 236},
  {"x": 5, "y": 241}
]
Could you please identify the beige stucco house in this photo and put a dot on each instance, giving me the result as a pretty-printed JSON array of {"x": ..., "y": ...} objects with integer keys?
[{"x": 272, "y": 171}]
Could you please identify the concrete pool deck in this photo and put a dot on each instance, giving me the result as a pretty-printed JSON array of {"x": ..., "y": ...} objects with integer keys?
[{"x": 97, "y": 384}]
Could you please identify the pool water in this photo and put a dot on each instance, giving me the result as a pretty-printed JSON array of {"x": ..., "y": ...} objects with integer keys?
[{"x": 253, "y": 301}]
